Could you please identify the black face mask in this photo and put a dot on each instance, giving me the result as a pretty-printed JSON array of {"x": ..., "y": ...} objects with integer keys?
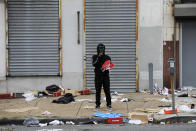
[{"x": 101, "y": 49}]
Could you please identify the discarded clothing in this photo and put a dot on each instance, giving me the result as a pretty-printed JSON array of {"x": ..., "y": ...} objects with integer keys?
[
  {"x": 67, "y": 98},
  {"x": 52, "y": 88},
  {"x": 31, "y": 122},
  {"x": 107, "y": 115},
  {"x": 192, "y": 106},
  {"x": 183, "y": 95}
]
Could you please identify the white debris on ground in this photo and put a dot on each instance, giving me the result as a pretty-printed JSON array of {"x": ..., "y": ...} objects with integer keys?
[
  {"x": 43, "y": 124},
  {"x": 56, "y": 122},
  {"x": 29, "y": 96},
  {"x": 165, "y": 91},
  {"x": 185, "y": 108},
  {"x": 165, "y": 100},
  {"x": 47, "y": 113},
  {"x": 70, "y": 123},
  {"x": 135, "y": 122}
]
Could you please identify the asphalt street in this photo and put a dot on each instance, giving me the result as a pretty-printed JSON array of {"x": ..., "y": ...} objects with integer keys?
[{"x": 173, "y": 127}]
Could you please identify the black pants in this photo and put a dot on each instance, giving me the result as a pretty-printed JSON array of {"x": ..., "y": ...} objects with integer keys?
[{"x": 102, "y": 80}]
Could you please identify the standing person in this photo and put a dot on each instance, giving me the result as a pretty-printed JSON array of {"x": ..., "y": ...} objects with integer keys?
[{"x": 101, "y": 76}]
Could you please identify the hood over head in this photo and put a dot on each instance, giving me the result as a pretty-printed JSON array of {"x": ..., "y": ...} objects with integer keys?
[{"x": 100, "y": 48}]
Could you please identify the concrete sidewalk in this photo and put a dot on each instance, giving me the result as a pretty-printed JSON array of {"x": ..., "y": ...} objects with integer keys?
[{"x": 13, "y": 109}]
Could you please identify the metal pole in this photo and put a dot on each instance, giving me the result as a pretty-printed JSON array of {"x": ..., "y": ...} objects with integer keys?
[
  {"x": 174, "y": 78},
  {"x": 150, "y": 69}
]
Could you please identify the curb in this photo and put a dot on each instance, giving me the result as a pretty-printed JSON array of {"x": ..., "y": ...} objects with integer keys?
[
  {"x": 179, "y": 118},
  {"x": 19, "y": 121}
]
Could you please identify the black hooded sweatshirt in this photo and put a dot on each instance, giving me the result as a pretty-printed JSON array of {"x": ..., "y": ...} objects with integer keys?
[{"x": 98, "y": 61}]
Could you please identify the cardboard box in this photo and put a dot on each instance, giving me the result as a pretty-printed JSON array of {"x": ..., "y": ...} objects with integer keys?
[
  {"x": 139, "y": 116},
  {"x": 73, "y": 92}
]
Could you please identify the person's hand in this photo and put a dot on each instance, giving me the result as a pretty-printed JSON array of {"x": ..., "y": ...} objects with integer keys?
[{"x": 100, "y": 54}]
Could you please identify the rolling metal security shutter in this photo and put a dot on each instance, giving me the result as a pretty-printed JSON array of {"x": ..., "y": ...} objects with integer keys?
[
  {"x": 33, "y": 37},
  {"x": 113, "y": 22}
]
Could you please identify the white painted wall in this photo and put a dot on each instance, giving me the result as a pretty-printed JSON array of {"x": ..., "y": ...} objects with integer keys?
[
  {"x": 72, "y": 51},
  {"x": 150, "y": 45},
  {"x": 2, "y": 41},
  {"x": 150, "y": 12},
  {"x": 168, "y": 21}
]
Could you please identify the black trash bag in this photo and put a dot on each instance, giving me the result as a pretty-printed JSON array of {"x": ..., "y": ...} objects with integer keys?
[
  {"x": 67, "y": 98},
  {"x": 183, "y": 95},
  {"x": 32, "y": 121},
  {"x": 52, "y": 88}
]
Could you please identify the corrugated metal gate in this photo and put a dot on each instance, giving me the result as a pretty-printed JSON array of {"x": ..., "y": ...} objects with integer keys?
[
  {"x": 188, "y": 53},
  {"x": 113, "y": 22},
  {"x": 33, "y": 37}
]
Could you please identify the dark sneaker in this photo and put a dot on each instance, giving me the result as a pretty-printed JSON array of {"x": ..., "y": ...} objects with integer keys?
[
  {"x": 109, "y": 108},
  {"x": 97, "y": 108}
]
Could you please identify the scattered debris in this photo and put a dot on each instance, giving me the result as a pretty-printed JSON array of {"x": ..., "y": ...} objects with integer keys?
[
  {"x": 115, "y": 93},
  {"x": 161, "y": 112},
  {"x": 73, "y": 92},
  {"x": 165, "y": 100},
  {"x": 32, "y": 121},
  {"x": 156, "y": 89},
  {"x": 107, "y": 115},
  {"x": 136, "y": 122},
  {"x": 162, "y": 123},
  {"x": 43, "y": 125},
  {"x": 194, "y": 96},
  {"x": 143, "y": 117},
  {"x": 117, "y": 120},
  {"x": 43, "y": 94},
  {"x": 88, "y": 122},
  {"x": 165, "y": 91},
  {"x": 7, "y": 95},
  {"x": 57, "y": 94},
  {"x": 170, "y": 111},
  {"x": 187, "y": 88},
  {"x": 183, "y": 95},
  {"x": 47, "y": 113},
  {"x": 70, "y": 123},
  {"x": 52, "y": 88},
  {"x": 127, "y": 99},
  {"x": 67, "y": 98},
  {"x": 29, "y": 97},
  {"x": 56, "y": 122},
  {"x": 193, "y": 121},
  {"x": 184, "y": 108},
  {"x": 192, "y": 106},
  {"x": 85, "y": 92}
]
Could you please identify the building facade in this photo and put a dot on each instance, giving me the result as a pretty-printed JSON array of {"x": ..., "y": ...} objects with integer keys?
[{"x": 52, "y": 42}]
